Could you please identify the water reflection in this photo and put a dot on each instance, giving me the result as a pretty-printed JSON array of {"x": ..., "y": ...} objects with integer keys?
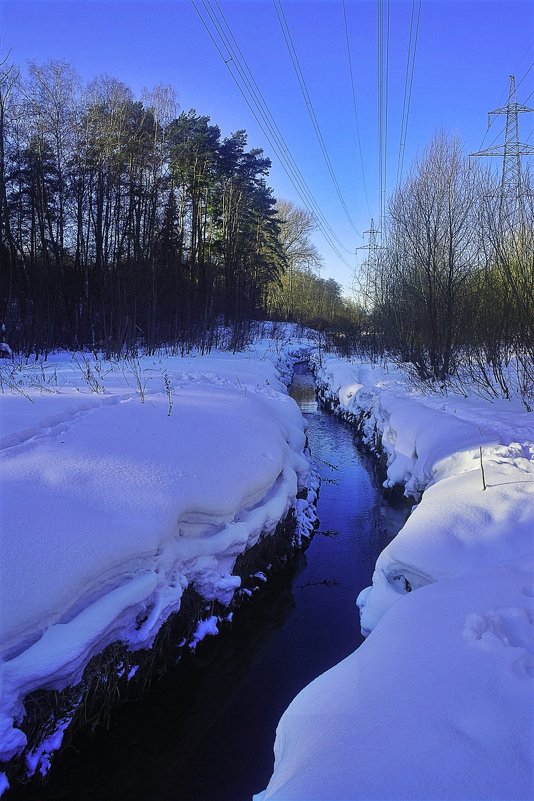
[
  {"x": 303, "y": 390},
  {"x": 206, "y": 731}
]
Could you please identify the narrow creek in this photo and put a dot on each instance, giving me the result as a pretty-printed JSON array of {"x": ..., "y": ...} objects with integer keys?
[{"x": 205, "y": 731}]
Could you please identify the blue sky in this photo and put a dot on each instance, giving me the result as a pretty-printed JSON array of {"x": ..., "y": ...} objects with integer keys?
[{"x": 465, "y": 51}]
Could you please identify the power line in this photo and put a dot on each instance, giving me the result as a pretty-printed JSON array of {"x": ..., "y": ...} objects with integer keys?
[
  {"x": 408, "y": 91},
  {"x": 525, "y": 75},
  {"x": 383, "y": 103},
  {"x": 497, "y": 137},
  {"x": 386, "y": 116},
  {"x": 527, "y": 140},
  {"x": 354, "y": 104},
  {"x": 263, "y": 108},
  {"x": 380, "y": 81},
  {"x": 249, "y": 89},
  {"x": 516, "y": 68},
  {"x": 529, "y": 48},
  {"x": 309, "y": 105},
  {"x": 406, "y": 77}
]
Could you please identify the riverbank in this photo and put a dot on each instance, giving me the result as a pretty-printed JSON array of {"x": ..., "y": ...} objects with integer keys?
[
  {"x": 205, "y": 729},
  {"x": 437, "y": 703},
  {"x": 128, "y": 488}
]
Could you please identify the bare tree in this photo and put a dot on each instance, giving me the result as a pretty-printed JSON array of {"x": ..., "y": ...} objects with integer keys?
[
  {"x": 301, "y": 255},
  {"x": 429, "y": 257}
]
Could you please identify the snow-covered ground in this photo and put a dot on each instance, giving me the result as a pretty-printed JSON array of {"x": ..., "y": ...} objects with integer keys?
[
  {"x": 438, "y": 703},
  {"x": 123, "y": 483}
]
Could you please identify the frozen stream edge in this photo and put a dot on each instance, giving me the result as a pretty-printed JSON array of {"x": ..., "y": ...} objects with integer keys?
[
  {"x": 438, "y": 702},
  {"x": 132, "y": 607}
]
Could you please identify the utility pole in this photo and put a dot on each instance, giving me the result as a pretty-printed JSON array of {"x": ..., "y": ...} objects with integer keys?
[{"x": 510, "y": 151}]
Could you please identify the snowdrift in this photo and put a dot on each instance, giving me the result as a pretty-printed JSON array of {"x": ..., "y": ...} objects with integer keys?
[
  {"x": 122, "y": 485},
  {"x": 436, "y": 704},
  {"x": 439, "y": 700}
]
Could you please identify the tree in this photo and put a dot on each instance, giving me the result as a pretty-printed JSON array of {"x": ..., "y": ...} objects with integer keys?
[
  {"x": 9, "y": 79},
  {"x": 122, "y": 223},
  {"x": 430, "y": 254},
  {"x": 300, "y": 255}
]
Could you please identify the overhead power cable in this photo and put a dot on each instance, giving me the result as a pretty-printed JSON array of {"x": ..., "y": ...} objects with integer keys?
[
  {"x": 408, "y": 85},
  {"x": 523, "y": 57},
  {"x": 309, "y": 105},
  {"x": 386, "y": 115},
  {"x": 383, "y": 102},
  {"x": 532, "y": 131},
  {"x": 380, "y": 103},
  {"x": 406, "y": 78},
  {"x": 524, "y": 76},
  {"x": 263, "y": 108},
  {"x": 355, "y": 107},
  {"x": 224, "y": 41},
  {"x": 496, "y": 138}
]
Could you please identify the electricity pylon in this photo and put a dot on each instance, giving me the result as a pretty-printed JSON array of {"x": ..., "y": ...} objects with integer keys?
[
  {"x": 372, "y": 245},
  {"x": 370, "y": 277},
  {"x": 510, "y": 151}
]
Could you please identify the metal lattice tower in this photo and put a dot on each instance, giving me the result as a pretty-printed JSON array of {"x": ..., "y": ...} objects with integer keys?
[
  {"x": 511, "y": 150},
  {"x": 368, "y": 285}
]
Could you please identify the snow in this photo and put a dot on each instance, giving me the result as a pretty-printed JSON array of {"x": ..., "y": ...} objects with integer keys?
[
  {"x": 117, "y": 496},
  {"x": 438, "y": 703},
  {"x": 433, "y": 447},
  {"x": 205, "y": 628},
  {"x": 124, "y": 483},
  {"x": 40, "y": 758}
]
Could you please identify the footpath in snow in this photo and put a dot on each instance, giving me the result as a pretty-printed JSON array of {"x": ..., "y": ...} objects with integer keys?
[
  {"x": 438, "y": 702},
  {"x": 123, "y": 484}
]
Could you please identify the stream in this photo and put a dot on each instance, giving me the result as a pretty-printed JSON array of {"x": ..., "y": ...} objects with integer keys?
[{"x": 205, "y": 731}]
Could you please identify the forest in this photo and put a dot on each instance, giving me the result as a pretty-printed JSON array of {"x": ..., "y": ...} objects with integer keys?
[{"x": 124, "y": 223}]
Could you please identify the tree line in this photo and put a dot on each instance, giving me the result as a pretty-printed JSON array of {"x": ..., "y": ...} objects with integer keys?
[
  {"x": 451, "y": 290},
  {"x": 302, "y": 295},
  {"x": 123, "y": 221}
]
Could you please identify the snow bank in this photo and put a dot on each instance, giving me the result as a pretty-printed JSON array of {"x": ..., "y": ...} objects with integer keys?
[
  {"x": 432, "y": 445},
  {"x": 123, "y": 483},
  {"x": 438, "y": 703}
]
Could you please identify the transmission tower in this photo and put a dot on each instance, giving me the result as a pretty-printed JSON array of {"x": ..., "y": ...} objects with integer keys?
[
  {"x": 367, "y": 282},
  {"x": 510, "y": 151}
]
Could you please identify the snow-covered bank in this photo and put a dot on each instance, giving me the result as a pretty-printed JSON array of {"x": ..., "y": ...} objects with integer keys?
[
  {"x": 433, "y": 446},
  {"x": 123, "y": 484},
  {"x": 436, "y": 703},
  {"x": 439, "y": 701}
]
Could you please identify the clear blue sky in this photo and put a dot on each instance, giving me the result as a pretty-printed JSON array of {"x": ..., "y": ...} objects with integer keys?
[{"x": 465, "y": 51}]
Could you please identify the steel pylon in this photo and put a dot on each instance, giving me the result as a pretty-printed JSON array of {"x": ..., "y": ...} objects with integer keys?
[{"x": 510, "y": 150}]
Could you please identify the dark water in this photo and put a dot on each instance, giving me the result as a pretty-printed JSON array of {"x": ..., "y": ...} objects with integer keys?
[{"x": 205, "y": 732}]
